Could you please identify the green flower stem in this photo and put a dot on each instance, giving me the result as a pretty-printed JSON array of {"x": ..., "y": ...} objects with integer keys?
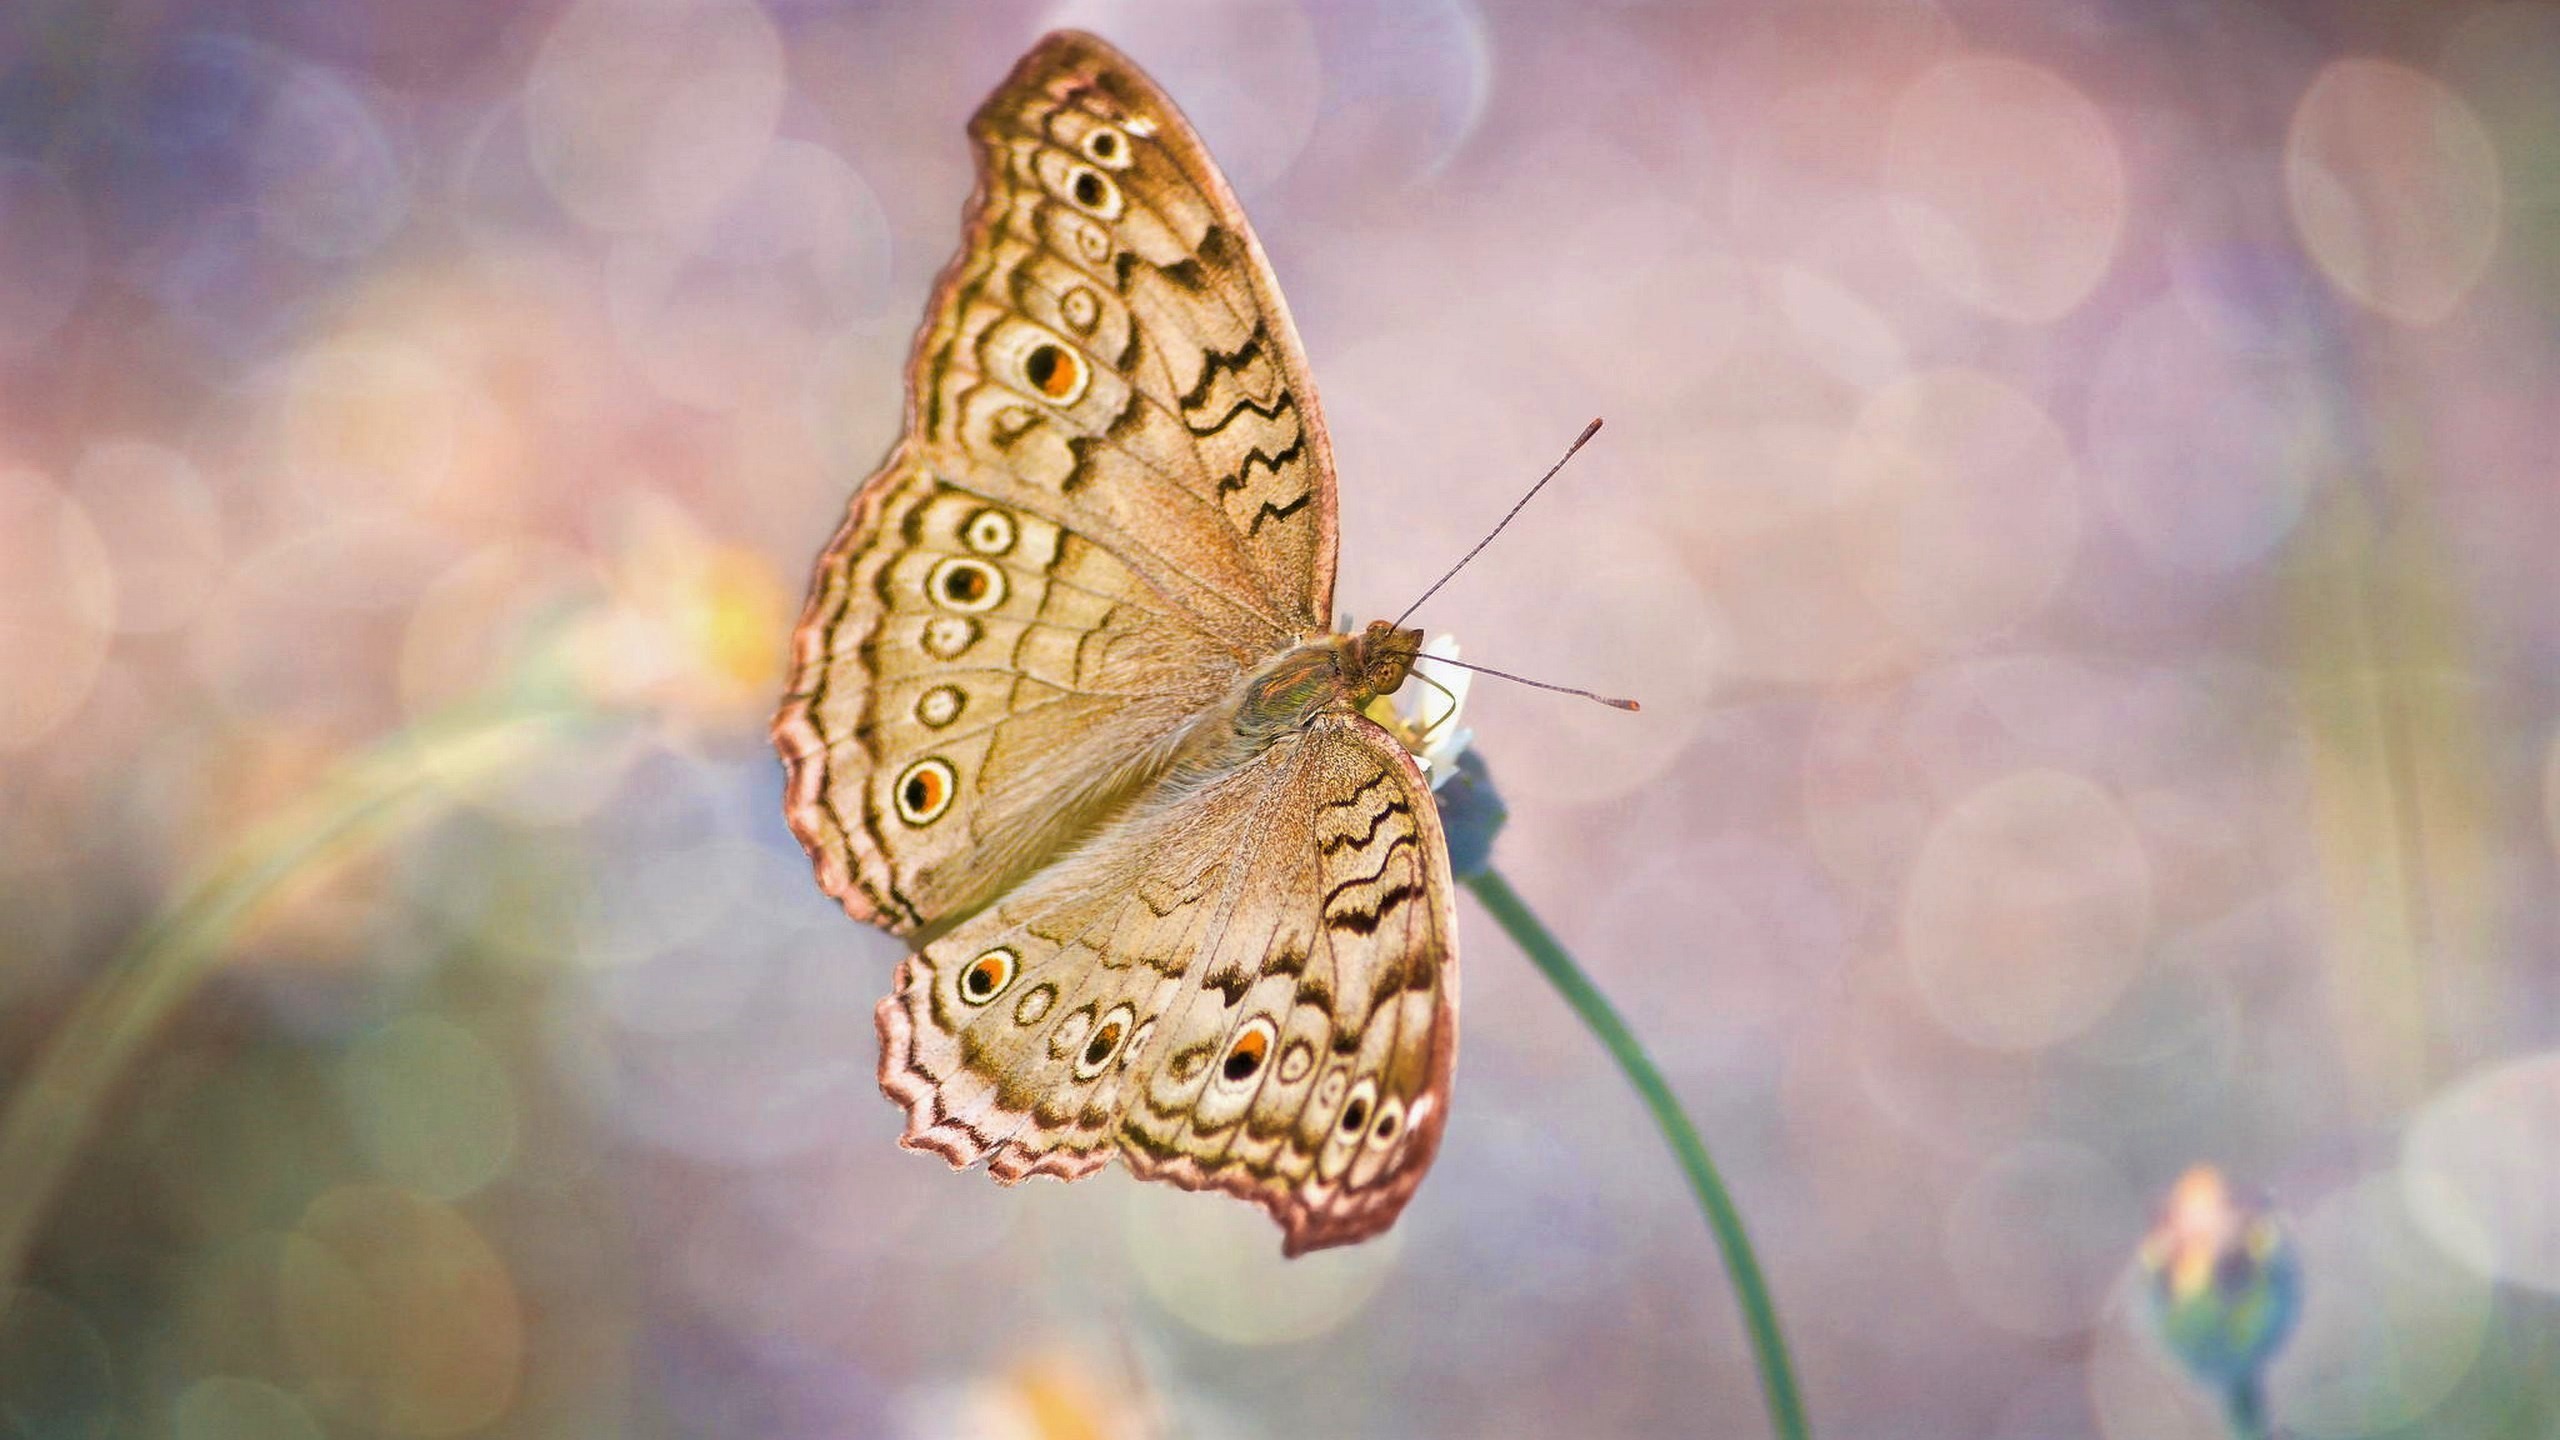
[
  {"x": 2246, "y": 1408},
  {"x": 1759, "y": 1313},
  {"x": 364, "y": 803}
]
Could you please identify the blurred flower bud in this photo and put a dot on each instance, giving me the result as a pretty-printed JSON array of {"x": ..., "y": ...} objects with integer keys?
[
  {"x": 2222, "y": 1283},
  {"x": 1471, "y": 814}
]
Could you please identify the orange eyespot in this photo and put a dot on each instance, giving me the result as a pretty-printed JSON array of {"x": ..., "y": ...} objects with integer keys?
[
  {"x": 1054, "y": 371},
  {"x": 1245, "y": 1057},
  {"x": 925, "y": 791},
  {"x": 1104, "y": 1041},
  {"x": 966, "y": 584},
  {"x": 987, "y": 976}
]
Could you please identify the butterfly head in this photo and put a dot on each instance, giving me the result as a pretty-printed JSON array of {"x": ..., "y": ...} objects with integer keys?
[{"x": 1376, "y": 661}]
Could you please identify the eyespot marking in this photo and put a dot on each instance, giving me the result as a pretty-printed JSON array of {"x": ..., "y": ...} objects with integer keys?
[
  {"x": 1388, "y": 1123},
  {"x": 1355, "y": 1111},
  {"x": 948, "y": 637},
  {"x": 1035, "y": 1002},
  {"x": 1295, "y": 1061},
  {"x": 1079, "y": 309},
  {"x": 1056, "y": 373},
  {"x": 941, "y": 705},
  {"x": 1070, "y": 1033},
  {"x": 925, "y": 790},
  {"x": 1137, "y": 1042},
  {"x": 1105, "y": 1041},
  {"x": 987, "y": 975},
  {"x": 1252, "y": 1046},
  {"x": 989, "y": 532},
  {"x": 967, "y": 585},
  {"x": 1091, "y": 241},
  {"x": 1094, "y": 193},
  {"x": 1105, "y": 146}
]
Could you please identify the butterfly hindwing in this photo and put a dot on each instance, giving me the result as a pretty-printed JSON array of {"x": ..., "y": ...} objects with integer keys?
[{"x": 1249, "y": 986}]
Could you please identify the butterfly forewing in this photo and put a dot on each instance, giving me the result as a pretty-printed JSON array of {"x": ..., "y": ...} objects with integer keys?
[
  {"x": 1107, "y": 359},
  {"x": 1110, "y": 235},
  {"x": 973, "y": 681}
]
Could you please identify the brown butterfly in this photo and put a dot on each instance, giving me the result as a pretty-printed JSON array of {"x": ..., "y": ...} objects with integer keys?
[{"x": 1065, "y": 711}]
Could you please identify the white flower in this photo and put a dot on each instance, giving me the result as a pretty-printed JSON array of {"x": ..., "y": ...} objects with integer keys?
[{"x": 1423, "y": 713}]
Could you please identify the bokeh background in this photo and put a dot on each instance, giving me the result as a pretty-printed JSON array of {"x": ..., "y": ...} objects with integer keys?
[{"x": 2078, "y": 505}]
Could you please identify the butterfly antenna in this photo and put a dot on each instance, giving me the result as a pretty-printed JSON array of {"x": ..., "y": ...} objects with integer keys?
[
  {"x": 1579, "y": 441},
  {"x": 1611, "y": 701}
]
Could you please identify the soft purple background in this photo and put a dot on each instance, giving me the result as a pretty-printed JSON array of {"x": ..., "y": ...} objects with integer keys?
[{"x": 2077, "y": 505}]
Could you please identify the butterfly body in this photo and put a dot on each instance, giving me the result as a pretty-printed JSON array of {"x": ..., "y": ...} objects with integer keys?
[
  {"x": 1331, "y": 673},
  {"x": 1066, "y": 714}
]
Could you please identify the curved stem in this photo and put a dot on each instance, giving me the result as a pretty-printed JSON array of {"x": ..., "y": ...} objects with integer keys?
[
  {"x": 49, "y": 1116},
  {"x": 2246, "y": 1408},
  {"x": 1769, "y": 1347}
]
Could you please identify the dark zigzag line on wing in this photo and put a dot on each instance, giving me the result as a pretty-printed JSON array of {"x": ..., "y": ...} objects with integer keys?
[
  {"x": 1020, "y": 278},
  {"x": 1080, "y": 446},
  {"x": 1401, "y": 842},
  {"x": 1215, "y": 362},
  {"x": 1270, "y": 511},
  {"x": 1361, "y": 841},
  {"x": 1367, "y": 922},
  {"x": 1354, "y": 797},
  {"x": 1284, "y": 402},
  {"x": 1270, "y": 462}
]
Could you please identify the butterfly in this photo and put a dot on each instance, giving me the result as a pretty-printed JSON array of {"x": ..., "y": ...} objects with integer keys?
[{"x": 1066, "y": 712}]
